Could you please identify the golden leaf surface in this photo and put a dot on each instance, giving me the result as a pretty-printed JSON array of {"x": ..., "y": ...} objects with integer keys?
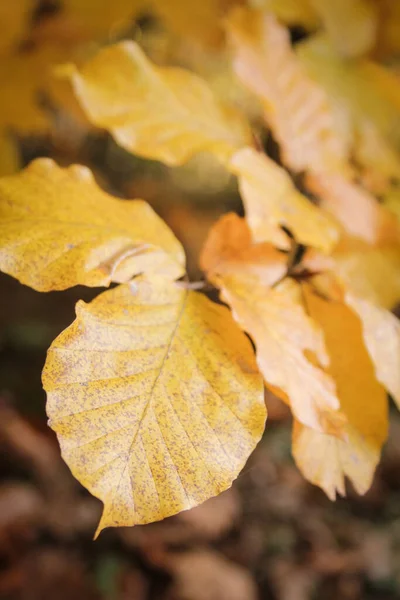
[
  {"x": 14, "y": 22},
  {"x": 323, "y": 459},
  {"x": 271, "y": 201},
  {"x": 9, "y": 155},
  {"x": 381, "y": 330},
  {"x": 156, "y": 399},
  {"x": 296, "y": 108},
  {"x": 283, "y": 334},
  {"x": 59, "y": 229},
  {"x": 162, "y": 113}
]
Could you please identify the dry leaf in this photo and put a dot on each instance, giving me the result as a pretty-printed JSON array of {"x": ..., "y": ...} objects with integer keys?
[
  {"x": 285, "y": 337},
  {"x": 366, "y": 101},
  {"x": 325, "y": 460},
  {"x": 296, "y": 109},
  {"x": 352, "y": 25},
  {"x": 59, "y": 229},
  {"x": 381, "y": 330},
  {"x": 162, "y": 113},
  {"x": 156, "y": 400},
  {"x": 272, "y": 201}
]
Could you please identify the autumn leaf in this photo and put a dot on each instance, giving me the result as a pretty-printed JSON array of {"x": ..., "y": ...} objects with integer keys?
[
  {"x": 292, "y": 12},
  {"x": 9, "y": 155},
  {"x": 272, "y": 201},
  {"x": 352, "y": 26},
  {"x": 14, "y": 22},
  {"x": 285, "y": 337},
  {"x": 167, "y": 114},
  {"x": 155, "y": 398},
  {"x": 296, "y": 108},
  {"x": 326, "y": 460},
  {"x": 59, "y": 229},
  {"x": 381, "y": 331},
  {"x": 365, "y": 97}
]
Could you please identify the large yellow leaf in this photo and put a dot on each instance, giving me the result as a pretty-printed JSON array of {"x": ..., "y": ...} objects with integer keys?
[
  {"x": 285, "y": 337},
  {"x": 296, "y": 108},
  {"x": 351, "y": 24},
  {"x": 167, "y": 114},
  {"x": 271, "y": 201},
  {"x": 59, "y": 229},
  {"x": 366, "y": 101},
  {"x": 156, "y": 400},
  {"x": 381, "y": 330},
  {"x": 326, "y": 460}
]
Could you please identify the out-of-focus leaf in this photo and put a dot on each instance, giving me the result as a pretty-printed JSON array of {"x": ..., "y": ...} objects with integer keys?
[
  {"x": 271, "y": 201},
  {"x": 285, "y": 337},
  {"x": 296, "y": 108},
  {"x": 366, "y": 101},
  {"x": 323, "y": 459},
  {"x": 14, "y": 22},
  {"x": 351, "y": 24},
  {"x": 290, "y": 12},
  {"x": 167, "y": 114},
  {"x": 381, "y": 330},
  {"x": 155, "y": 397},
  {"x": 59, "y": 229}
]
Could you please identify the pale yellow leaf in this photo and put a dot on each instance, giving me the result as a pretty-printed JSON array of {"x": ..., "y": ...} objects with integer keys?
[
  {"x": 366, "y": 101},
  {"x": 323, "y": 459},
  {"x": 155, "y": 398},
  {"x": 59, "y": 229},
  {"x": 287, "y": 341},
  {"x": 351, "y": 24},
  {"x": 272, "y": 201},
  {"x": 163, "y": 113},
  {"x": 296, "y": 108},
  {"x": 381, "y": 330}
]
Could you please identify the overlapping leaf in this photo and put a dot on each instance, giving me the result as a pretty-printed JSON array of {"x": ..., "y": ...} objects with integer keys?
[
  {"x": 296, "y": 108},
  {"x": 326, "y": 460},
  {"x": 167, "y": 114},
  {"x": 272, "y": 201},
  {"x": 59, "y": 229},
  {"x": 285, "y": 337},
  {"x": 156, "y": 400}
]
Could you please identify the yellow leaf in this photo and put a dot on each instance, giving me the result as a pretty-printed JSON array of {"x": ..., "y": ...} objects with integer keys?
[
  {"x": 290, "y": 12},
  {"x": 381, "y": 330},
  {"x": 296, "y": 109},
  {"x": 326, "y": 460},
  {"x": 14, "y": 22},
  {"x": 229, "y": 251},
  {"x": 352, "y": 25},
  {"x": 167, "y": 114},
  {"x": 365, "y": 97},
  {"x": 155, "y": 398},
  {"x": 271, "y": 201},
  {"x": 59, "y": 229},
  {"x": 284, "y": 336}
]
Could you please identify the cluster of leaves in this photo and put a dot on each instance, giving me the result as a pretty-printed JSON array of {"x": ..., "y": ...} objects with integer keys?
[{"x": 154, "y": 391}]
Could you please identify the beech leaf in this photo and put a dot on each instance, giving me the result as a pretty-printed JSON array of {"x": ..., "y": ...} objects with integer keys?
[
  {"x": 295, "y": 107},
  {"x": 284, "y": 336},
  {"x": 162, "y": 113},
  {"x": 59, "y": 229},
  {"x": 156, "y": 400},
  {"x": 271, "y": 201},
  {"x": 323, "y": 459}
]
